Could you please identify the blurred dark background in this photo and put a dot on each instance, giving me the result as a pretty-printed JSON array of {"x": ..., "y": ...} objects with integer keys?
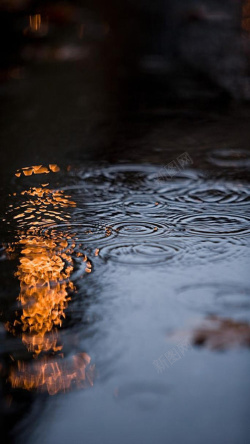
[{"x": 86, "y": 79}]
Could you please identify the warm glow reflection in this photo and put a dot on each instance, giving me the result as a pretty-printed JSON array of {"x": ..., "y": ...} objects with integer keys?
[
  {"x": 44, "y": 271},
  {"x": 246, "y": 16},
  {"x": 38, "y": 25},
  {"x": 37, "y": 169},
  {"x": 35, "y": 22},
  {"x": 54, "y": 376}
]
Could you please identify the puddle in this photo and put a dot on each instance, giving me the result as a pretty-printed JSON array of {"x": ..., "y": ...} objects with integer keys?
[{"x": 92, "y": 249}]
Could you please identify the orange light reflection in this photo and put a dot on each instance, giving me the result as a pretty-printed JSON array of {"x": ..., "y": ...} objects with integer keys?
[
  {"x": 44, "y": 271},
  {"x": 54, "y": 376}
]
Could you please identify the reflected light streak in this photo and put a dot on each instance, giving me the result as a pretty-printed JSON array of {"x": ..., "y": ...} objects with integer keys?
[
  {"x": 35, "y": 22},
  {"x": 38, "y": 25},
  {"x": 44, "y": 270}
]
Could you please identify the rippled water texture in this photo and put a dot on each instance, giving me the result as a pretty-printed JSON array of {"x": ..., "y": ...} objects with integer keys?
[{"x": 105, "y": 262}]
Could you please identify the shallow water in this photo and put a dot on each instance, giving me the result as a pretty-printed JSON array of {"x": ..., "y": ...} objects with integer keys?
[{"x": 101, "y": 265}]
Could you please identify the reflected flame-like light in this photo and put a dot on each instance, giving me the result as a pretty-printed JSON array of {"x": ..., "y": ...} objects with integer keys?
[
  {"x": 44, "y": 270},
  {"x": 38, "y": 25},
  {"x": 54, "y": 376},
  {"x": 43, "y": 273}
]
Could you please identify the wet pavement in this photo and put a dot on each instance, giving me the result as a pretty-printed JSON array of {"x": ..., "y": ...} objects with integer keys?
[{"x": 125, "y": 292}]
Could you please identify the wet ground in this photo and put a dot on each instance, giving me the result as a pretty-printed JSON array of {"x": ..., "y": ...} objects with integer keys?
[{"x": 126, "y": 231}]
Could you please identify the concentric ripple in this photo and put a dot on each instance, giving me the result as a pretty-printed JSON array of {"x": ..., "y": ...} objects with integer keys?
[
  {"x": 230, "y": 158},
  {"x": 210, "y": 192},
  {"x": 85, "y": 194},
  {"x": 162, "y": 175},
  {"x": 217, "y": 298},
  {"x": 140, "y": 229},
  {"x": 86, "y": 232},
  {"x": 144, "y": 205},
  {"x": 112, "y": 178},
  {"x": 204, "y": 250},
  {"x": 140, "y": 253},
  {"x": 216, "y": 224},
  {"x": 130, "y": 173}
]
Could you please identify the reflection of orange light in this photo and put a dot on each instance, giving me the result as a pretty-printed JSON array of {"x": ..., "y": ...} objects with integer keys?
[
  {"x": 44, "y": 271},
  {"x": 55, "y": 168},
  {"x": 54, "y": 376},
  {"x": 37, "y": 169},
  {"x": 35, "y": 22},
  {"x": 44, "y": 286}
]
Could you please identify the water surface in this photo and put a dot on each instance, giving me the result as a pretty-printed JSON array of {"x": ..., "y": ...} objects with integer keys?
[{"x": 102, "y": 265}]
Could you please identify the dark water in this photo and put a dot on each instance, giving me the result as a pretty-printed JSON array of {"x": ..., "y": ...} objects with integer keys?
[{"x": 125, "y": 225}]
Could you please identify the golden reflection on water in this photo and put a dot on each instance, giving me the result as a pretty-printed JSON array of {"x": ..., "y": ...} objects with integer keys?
[
  {"x": 38, "y": 25},
  {"x": 44, "y": 275},
  {"x": 54, "y": 376},
  {"x": 44, "y": 271},
  {"x": 35, "y": 22}
]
